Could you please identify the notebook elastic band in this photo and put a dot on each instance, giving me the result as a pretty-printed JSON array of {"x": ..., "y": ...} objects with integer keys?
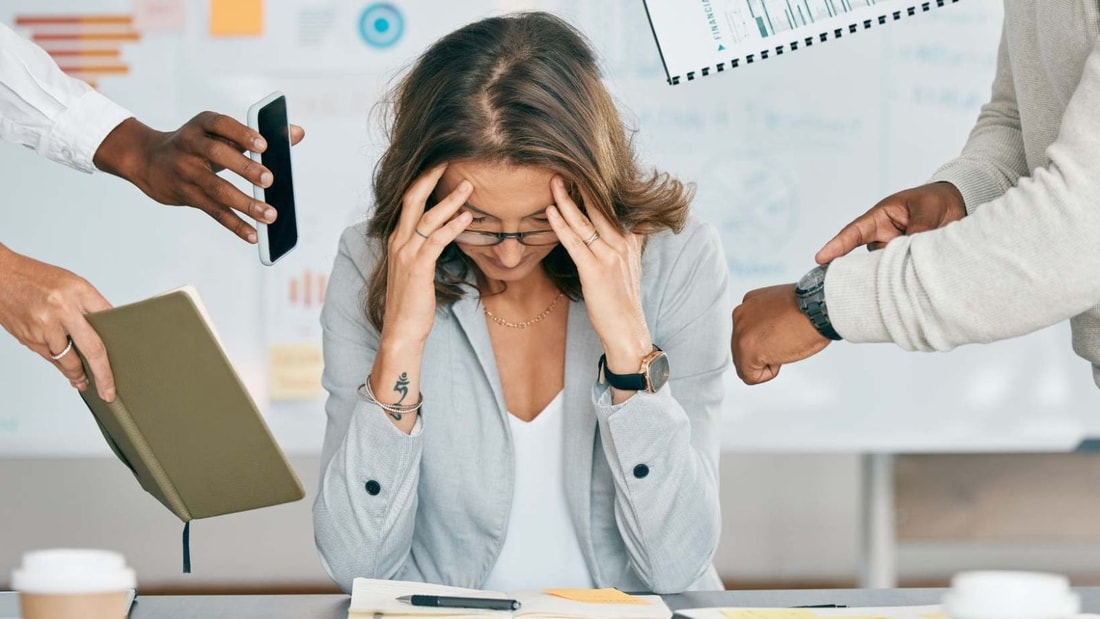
[{"x": 187, "y": 547}]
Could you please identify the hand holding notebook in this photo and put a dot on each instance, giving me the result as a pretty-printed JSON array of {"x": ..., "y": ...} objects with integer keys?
[{"x": 182, "y": 420}]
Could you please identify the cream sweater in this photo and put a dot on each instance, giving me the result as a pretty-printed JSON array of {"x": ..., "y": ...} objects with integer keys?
[{"x": 1028, "y": 253}]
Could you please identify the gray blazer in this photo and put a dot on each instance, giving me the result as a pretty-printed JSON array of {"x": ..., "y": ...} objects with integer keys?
[{"x": 641, "y": 477}]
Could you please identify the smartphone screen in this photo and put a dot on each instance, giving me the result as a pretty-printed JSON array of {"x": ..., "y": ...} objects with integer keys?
[{"x": 282, "y": 235}]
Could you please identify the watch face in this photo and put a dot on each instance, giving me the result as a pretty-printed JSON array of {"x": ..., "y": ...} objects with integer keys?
[
  {"x": 658, "y": 372},
  {"x": 812, "y": 281}
]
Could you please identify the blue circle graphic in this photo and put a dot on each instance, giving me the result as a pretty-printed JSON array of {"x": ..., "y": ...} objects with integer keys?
[{"x": 381, "y": 25}]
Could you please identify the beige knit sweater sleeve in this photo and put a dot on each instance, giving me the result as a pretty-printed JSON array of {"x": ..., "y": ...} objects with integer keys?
[
  {"x": 994, "y": 159},
  {"x": 1025, "y": 260}
]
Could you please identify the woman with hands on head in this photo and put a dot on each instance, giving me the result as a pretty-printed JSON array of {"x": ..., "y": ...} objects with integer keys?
[{"x": 524, "y": 344}]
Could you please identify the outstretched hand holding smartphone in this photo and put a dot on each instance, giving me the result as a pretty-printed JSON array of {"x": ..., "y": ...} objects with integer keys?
[{"x": 269, "y": 117}]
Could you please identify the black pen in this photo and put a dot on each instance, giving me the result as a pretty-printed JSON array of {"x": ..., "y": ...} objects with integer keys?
[
  {"x": 822, "y": 606},
  {"x": 443, "y": 601}
]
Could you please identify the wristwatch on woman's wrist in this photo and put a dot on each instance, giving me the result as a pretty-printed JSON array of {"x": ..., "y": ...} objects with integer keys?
[
  {"x": 810, "y": 292},
  {"x": 650, "y": 378}
]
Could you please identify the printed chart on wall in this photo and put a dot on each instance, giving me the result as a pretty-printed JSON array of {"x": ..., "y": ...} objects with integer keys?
[{"x": 716, "y": 35}]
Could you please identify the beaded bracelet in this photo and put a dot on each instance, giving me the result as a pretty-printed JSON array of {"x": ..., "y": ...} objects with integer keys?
[{"x": 395, "y": 410}]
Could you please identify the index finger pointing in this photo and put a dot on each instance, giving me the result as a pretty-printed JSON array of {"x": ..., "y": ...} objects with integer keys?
[{"x": 859, "y": 232}]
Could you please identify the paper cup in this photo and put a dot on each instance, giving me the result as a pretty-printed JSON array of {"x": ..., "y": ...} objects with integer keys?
[
  {"x": 64, "y": 584},
  {"x": 1010, "y": 595}
]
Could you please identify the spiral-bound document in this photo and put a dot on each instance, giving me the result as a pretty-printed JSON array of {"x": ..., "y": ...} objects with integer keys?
[{"x": 699, "y": 37}]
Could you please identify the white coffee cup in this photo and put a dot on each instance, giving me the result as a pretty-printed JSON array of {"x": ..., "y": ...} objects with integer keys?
[
  {"x": 1010, "y": 595},
  {"x": 64, "y": 583}
]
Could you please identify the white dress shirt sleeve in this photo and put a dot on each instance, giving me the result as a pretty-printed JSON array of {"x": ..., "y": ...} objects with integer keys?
[{"x": 59, "y": 117}]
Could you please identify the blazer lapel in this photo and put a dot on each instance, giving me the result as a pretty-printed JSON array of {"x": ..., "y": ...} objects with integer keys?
[
  {"x": 582, "y": 352},
  {"x": 470, "y": 316}
]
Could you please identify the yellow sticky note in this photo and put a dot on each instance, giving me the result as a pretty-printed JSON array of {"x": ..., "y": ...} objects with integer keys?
[
  {"x": 296, "y": 371},
  {"x": 236, "y": 18},
  {"x": 595, "y": 596}
]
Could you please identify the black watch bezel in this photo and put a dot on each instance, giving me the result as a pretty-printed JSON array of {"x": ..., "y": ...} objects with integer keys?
[{"x": 811, "y": 301}]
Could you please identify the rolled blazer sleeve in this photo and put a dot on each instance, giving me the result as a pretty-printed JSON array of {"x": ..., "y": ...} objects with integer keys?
[
  {"x": 366, "y": 505},
  {"x": 663, "y": 447}
]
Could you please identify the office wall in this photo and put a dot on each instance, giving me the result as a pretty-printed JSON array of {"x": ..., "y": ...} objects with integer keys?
[{"x": 788, "y": 519}]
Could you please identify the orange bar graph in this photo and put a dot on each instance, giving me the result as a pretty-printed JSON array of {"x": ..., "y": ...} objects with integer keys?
[
  {"x": 59, "y": 54},
  {"x": 307, "y": 290},
  {"x": 89, "y": 36},
  {"x": 87, "y": 47},
  {"x": 119, "y": 69},
  {"x": 30, "y": 21}
]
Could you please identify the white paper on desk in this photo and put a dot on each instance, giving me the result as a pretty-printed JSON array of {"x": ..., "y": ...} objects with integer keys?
[
  {"x": 895, "y": 612},
  {"x": 370, "y": 597}
]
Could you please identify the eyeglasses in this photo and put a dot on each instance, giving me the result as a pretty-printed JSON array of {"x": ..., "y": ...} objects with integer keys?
[{"x": 482, "y": 238}]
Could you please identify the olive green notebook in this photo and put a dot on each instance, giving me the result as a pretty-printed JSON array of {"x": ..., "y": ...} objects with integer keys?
[{"x": 182, "y": 420}]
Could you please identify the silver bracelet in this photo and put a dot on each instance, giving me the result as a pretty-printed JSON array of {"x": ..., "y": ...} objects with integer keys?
[{"x": 367, "y": 394}]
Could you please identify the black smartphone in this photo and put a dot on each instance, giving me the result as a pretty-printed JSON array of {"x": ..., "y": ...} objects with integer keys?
[{"x": 269, "y": 117}]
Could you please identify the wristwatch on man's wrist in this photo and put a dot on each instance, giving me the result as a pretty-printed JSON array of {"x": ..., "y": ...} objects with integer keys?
[
  {"x": 650, "y": 378},
  {"x": 810, "y": 292}
]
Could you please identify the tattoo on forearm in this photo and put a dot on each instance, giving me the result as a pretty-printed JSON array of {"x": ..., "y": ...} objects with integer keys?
[{"x": 402, "y": 387}]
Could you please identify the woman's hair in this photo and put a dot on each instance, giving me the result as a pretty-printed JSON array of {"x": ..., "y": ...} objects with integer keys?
[{"x": 519, "y": 90}]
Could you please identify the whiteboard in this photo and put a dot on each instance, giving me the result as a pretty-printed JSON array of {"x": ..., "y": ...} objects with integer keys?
[{"x": 784, "y": 153}]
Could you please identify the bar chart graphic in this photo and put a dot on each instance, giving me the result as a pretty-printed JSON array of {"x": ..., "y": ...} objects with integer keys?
[
  {"x": 307, "y": 289},
  {"x": 711, "y": 36},
  {"x": 768, "y": 18},
  {"x": 87, "y": 47}
]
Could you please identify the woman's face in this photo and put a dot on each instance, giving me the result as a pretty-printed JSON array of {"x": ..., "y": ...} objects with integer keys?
[{"x": 504, "y": 199}]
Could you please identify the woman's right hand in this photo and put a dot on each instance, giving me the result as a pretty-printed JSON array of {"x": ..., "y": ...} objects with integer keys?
[{"x": 414, "y": 248}]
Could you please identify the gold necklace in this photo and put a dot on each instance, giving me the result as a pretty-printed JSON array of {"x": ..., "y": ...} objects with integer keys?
[{"x": 526, "y": 323}]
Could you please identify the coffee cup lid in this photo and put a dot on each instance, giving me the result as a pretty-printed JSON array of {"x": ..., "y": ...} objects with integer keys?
[
  {"x": 1011, "y": 595},
  {"x": 66, "y": 570}
]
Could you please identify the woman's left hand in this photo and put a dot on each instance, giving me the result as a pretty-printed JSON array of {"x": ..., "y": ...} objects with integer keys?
[{"x": 610, "y": 267}]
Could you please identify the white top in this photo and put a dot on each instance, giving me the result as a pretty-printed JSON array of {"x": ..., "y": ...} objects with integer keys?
[
  {"x": 541, "y": 547},
  {"x": 59, "y": 117}
]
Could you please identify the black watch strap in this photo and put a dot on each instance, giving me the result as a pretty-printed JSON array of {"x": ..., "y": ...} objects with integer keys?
[
  {"x": 810, "y": 293},
  {"x": 622, "y": 382},
  {"x": 819, "y": 317}
]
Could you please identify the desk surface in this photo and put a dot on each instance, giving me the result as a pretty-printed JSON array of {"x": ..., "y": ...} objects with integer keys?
[{"x": 336, "y": 606}]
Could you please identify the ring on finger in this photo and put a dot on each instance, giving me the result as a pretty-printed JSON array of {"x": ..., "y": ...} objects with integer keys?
[
  {"x": 419, "y": 233},
  {"x": 61, "y": 354},
  {"x": 592, "y": 239}
]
